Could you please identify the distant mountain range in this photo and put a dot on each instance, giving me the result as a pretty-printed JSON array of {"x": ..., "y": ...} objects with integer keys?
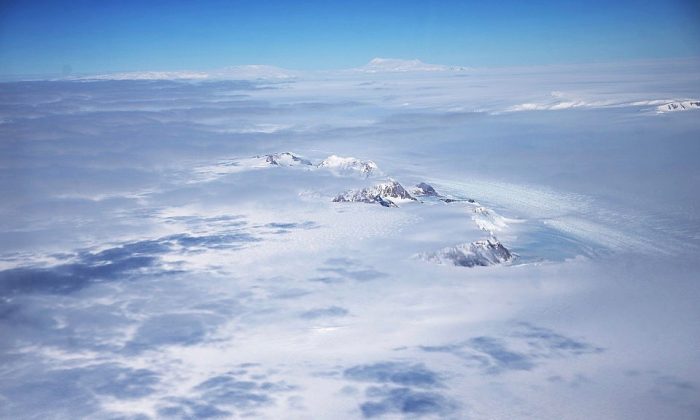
[
  {"x": 678, "y": 106},
  {"x": 267, "y": 72},
  {"x": 388, "y": 193},
  {"x": 337, "y": 165}
]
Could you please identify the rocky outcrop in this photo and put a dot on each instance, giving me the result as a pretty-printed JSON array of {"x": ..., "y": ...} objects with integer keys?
[
  {"x": 479, "y": 253},
  {"x": 284, "y": 159},
  {"x": 424, "y": 190},
  {"x": 678, "y": 106},
  {"x": 386, "y": 194}
]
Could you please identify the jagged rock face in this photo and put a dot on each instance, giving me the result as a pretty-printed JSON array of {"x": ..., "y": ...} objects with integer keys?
[
  {"x": 424, "y": 189},
  {"x": 363, "y": 197},
  {"x": 349, "y": 164},
  {"x": 391, "y": 189},
  {"x": 457, "y": 200},
  {"x": 480, "y": 253},
  {"x": 385, "y": 193},
  {"x": 284, "y": 159}
]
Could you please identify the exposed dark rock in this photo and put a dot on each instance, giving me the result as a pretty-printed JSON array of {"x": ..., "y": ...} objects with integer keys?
[
  {"x": 480, "y": 253},
  {"x": 385, "y": 194},
  {"x": 284, "y": 159},
  {"x": 424, "y": 189},
  {"x": 455, "y": 200}
]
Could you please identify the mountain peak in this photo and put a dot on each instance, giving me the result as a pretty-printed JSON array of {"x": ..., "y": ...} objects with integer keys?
[
  {"x": 344, "y": 165},
  {"x": 386, "y": 193},
  {"x": 478, "y": 253}
]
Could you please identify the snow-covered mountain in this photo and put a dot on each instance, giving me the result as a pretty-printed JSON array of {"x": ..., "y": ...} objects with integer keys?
[
  {"x": 393, "y": 65},
  {"x": 231, "y": 166},
  {"x": 386, "y": 194},
  {"x": 389, "y": 193},
  {"x": 148, "y": 75},
  {"x": 479, "y": 253},
  {"x": 424, "y": 190},
  {"x": 346, "y": 165},
  {"x": 488, "y": 220},
  {"x": 678, "y": 106},
  {"x": 284, "y": 159},
  {"x": 341, "y": 166}
]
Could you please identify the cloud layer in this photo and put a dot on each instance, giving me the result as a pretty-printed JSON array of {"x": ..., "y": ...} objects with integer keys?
[{"x": 147, "y": 272}]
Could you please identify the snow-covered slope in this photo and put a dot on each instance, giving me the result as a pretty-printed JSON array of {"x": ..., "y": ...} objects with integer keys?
[
  {"x": 678, "y": 106},
  {"x": 341, "y": 166},
  {"x": 479, "y": 253},
  {"x": 488, "y": 220},
  {"x": 231, "y": 166},
  {"x": 385, "y": 193},
  {"x": 348, "y": 165},
  {"x": 424, "y": 190},
  {"x": 284, "y": 159}
]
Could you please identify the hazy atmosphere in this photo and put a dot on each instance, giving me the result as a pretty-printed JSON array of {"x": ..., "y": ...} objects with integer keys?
[{"x": 370, "y": 210}]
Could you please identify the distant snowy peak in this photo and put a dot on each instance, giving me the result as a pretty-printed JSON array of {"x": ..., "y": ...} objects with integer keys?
[
  {"x": 338, "y": 165},
  {"x": 232, "y": 166},
  {"x": 395, "y": 65},
  {"x": 386, "y": 194},
  {"x": 391, "y": 189},
  {"x": 284, "y": 159},
  {"x": 479, "y": 253},
  {"x": 345, "y": 165},
  {"x": 488, "y": 220},
  {"x": 424, "y": 190},
  {"x": 678, "y": 106},
  {"x": 148, "y": 75},
  {"x": 363, "y": 196}
]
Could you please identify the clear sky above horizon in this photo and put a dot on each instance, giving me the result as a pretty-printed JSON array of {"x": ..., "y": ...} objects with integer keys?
[{"x": 44, "y": 37}]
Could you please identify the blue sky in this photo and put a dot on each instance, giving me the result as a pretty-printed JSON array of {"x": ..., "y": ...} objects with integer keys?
[{"x": 46, "y": 37}]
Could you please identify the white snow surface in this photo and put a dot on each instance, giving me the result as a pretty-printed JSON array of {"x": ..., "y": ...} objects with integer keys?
[
  {"x": 345, "y": 165},
  {"x": 488, "y": 220}
]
